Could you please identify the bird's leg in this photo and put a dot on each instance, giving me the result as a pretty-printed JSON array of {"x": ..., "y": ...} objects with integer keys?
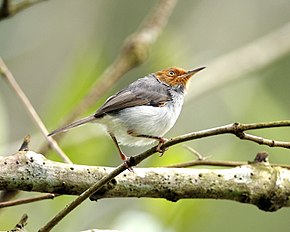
[
  {"x": 160, "y": 139},
  {"x": 122, "y": 155}
]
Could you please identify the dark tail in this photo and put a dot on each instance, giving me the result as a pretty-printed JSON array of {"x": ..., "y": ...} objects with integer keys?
[{"x": 72, "y": 125}]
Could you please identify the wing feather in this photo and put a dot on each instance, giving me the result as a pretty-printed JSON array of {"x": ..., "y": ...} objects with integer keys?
[{"x": 135, "y": 96}]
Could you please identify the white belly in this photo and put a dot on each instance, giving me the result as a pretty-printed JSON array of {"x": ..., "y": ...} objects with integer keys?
[{"x": 146, "y": 120}]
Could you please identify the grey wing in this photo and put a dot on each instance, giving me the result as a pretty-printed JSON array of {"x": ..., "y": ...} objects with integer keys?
[{"x": 133, "y": 97}]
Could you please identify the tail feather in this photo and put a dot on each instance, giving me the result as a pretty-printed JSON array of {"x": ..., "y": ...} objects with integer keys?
[{"x": 72, "y": 125}]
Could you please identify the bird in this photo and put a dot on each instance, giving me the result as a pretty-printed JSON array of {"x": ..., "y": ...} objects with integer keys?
[{"x": 144, "y": 111}]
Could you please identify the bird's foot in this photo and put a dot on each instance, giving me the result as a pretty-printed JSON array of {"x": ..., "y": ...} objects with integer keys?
[
  {"x": 127, "y": 161},
  {"x": 160, "y": 144}
]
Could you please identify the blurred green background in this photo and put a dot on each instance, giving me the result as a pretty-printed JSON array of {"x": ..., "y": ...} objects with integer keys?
[{"x": 57, "y": 49}]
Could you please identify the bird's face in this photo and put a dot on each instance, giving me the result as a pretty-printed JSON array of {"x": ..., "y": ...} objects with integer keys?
[{"x": 176, "y": 76}]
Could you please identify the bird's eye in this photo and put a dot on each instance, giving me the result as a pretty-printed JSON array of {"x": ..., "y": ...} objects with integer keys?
[{"x": 171, "y": 73}]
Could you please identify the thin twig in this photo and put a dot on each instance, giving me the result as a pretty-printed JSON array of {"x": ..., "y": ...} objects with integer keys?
[
  {"x": 27, "y": 200},
  {"x": 263, "y": 141},
  {"x": 239, "y": 129},
  {"x": 21, "y": 224},
  {"x": 207, "y": 163},
  {"x": 263, "y": 125},
  {"x": 24, "y": 145},
  {"x": 5, "y": 72},
  {"x": 234, "y": 128},
  {"x": 8, "y": 9},
  {"x": 217, "y": 163},
  {"x": 195, "y": 152}
]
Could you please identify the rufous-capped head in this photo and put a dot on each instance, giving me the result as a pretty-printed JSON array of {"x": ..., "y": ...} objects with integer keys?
[{"x": 176, "y": 76}]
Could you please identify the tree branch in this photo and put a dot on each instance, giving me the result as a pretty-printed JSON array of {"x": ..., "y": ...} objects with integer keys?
[
  {"x": 237, "y": 129},
  {"x": 260, "y": 184},
  {"x": 27, "y": 200},
  {"x": 84, "y": 180}
]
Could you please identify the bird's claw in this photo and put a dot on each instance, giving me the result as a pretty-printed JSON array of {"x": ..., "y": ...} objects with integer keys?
[
  {"x": 127, "y": 162},
  {"x": 159, "y": 146}
]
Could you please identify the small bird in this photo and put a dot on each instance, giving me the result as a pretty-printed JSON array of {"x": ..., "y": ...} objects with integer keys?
[{"x": 144, "y": 111}]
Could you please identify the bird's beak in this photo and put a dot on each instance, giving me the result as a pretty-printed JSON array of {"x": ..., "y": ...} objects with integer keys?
[
  {"x": 184, "y": 79},
  {"x": 194, "y": 71},
  {"x": 190, "y": 73}
]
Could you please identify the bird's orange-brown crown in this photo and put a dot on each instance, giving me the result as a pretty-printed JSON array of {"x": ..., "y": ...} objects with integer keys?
[{"x": 176, "y": 76}]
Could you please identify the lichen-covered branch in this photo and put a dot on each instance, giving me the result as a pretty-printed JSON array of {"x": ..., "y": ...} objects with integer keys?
[{"x": 259, "y": 184}]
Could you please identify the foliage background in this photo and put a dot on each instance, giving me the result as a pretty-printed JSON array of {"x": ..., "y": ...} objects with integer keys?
[{"x": 57, "y": 49}]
